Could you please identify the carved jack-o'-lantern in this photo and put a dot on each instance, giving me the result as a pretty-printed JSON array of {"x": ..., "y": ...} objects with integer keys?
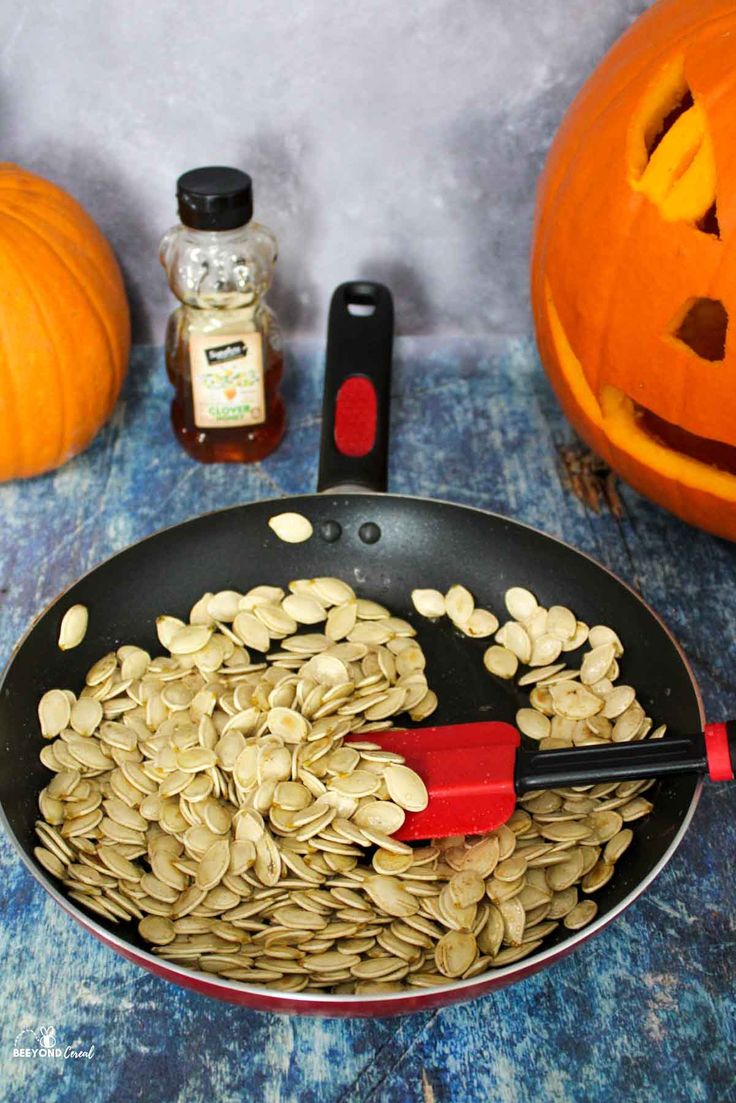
[{"x": 634, "y": 261}]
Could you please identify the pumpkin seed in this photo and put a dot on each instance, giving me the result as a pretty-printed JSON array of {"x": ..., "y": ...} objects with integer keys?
[
  {"x": 224, "y": 605},
  {"x": 582, "y": 914},
  {"x": 532, "y": 723},
  {"x": 514, "y": 637},
  {"x": 388, "y": 894},
  {"x": 406, "y": 788},
  {"x": 380, "y": 815},
  {"x": 157, "y": 930},
  {"x": 304, "y": 609},
  {"x": 252, "y": 631},
  {"x": 500, "y": 661},
  {"x": 166, "y": 629},
  {"x": 520, "y": 603},
  {"x": 561, "y": 623},
  {"x": 600, "y": 634},
  {"x": 54, "y": 713},
  {"x": 480, "y": 624},
  {"x": 628, "y": 724},
  {"x": 424, "y": 708},
  {"x": 635, "y": 809},
  {"x": 597, "y": 877},
  {"x": 616, "y": 845},
  {"x": 213, "y": 865},
  {"x": 429, "y": 603},
  {"x": 341, "y": 621},
  {"x": 574, "y": 701},
  {"x": 189, "y": 639},
  {"x": 73, "y": 627},
  {"x": 333, "y": 590},
  {"x": 545, "y": 649},
  {"x": 292, "y": 528},
  {"x": 459, "y": 604},
  {"x": 260, "y": 595},
  {"x": 50, "y": 861},
  {"x": 533, "y": 676},
  {"x": 455, "y": 953},
  {"x": 578, "y": 639},
  {"x": 86, "y": 715}
]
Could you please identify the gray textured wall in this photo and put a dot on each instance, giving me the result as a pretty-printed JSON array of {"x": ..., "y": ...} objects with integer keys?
[{"x": 398, "y": 139}]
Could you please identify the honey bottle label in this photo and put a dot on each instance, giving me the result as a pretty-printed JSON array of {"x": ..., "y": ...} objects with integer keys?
[{"x": 227, "y": 379}]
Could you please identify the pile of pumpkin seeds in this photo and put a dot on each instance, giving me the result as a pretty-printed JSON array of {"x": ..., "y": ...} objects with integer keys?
[{"x": 208, "y": 793}]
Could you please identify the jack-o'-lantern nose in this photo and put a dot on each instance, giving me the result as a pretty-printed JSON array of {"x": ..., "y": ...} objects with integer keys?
[{"x": 702, "y": 327}]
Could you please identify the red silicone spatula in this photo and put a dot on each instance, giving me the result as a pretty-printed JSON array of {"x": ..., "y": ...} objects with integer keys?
[{"x": 474, "y": 772}]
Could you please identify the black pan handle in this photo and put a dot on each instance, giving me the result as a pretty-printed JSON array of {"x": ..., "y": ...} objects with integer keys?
[
  {"x": 355, "y": 410},
  {"x": 712, "y": 752}
]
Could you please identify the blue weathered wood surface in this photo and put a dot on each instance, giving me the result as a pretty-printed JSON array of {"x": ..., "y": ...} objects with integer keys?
[{"x": 644, "y": 1012}]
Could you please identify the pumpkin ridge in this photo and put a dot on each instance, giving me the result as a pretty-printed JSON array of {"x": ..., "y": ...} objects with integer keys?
[
  {"x": 70, "y": 216},
  {"x": 613, "y": 289},
  {"x": 714, "y": 291},
  {"x": 118, "y": 362},
  {"x": 570, "y": 365},
  {"x": 62, "y": 447},
  {"x": 630, "y": 437},
  {"x": 12, "y": 388},
  {"x": 69, "y": 219},
  {"x": 118, "y": 341}
]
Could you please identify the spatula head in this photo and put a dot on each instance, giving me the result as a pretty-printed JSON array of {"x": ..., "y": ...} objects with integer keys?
[{"x": 469, "y": 773}]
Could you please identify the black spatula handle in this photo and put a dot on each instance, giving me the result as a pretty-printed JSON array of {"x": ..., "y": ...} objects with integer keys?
[
  {"x": 355, "y": 410},
  {"x": 713, "y": 752}
]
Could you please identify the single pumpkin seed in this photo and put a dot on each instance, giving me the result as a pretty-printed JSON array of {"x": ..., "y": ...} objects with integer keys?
[{"x": 73, "y": 627}]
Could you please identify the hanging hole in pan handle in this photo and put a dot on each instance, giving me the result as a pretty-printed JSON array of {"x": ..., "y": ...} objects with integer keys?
[
  {"x": 360, "y": 299},
  {"x": 357, "y": 388}
]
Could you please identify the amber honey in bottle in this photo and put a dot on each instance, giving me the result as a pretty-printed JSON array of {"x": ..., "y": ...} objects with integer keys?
[{"x": 223, "y": 347}]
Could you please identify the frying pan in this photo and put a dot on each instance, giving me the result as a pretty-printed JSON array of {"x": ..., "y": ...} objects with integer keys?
[{"x": 385, "y": 545}]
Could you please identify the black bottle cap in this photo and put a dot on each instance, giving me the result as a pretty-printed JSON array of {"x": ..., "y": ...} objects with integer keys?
[{"x": 215, "y": 198}]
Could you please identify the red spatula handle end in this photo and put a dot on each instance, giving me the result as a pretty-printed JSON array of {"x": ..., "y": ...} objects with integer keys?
[{"x": 720, "y": 750}]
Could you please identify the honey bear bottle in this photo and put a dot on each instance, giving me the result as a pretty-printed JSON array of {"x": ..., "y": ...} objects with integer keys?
[{"x": 223, "y": 346}]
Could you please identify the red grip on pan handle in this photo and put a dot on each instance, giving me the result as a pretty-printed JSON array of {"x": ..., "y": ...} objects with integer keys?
[
  {"x": 356, "y": 414},
  {"x": 720, "y": 750}
]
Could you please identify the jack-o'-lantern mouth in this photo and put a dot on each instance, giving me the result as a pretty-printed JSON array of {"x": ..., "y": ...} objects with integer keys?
[
  {"x": 665, "y": 434},
  {"x": 633, "y": 430},
  {"x": 659, "y": 446}
]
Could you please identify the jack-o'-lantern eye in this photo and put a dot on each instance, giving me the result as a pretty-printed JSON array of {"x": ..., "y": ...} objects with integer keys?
[
  {"x": 702, "y": 327},
  {"x": 671, "y": 156},
  {"x": 658, "y": 128}
]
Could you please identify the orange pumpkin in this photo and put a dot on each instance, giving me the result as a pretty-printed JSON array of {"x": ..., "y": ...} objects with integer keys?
[
  {"x": 64, "y": 326},
  {"x": 634, "y": 260}
]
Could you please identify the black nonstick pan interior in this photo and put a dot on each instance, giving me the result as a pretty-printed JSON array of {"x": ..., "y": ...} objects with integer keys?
[{"x": 421, "y": 543}]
